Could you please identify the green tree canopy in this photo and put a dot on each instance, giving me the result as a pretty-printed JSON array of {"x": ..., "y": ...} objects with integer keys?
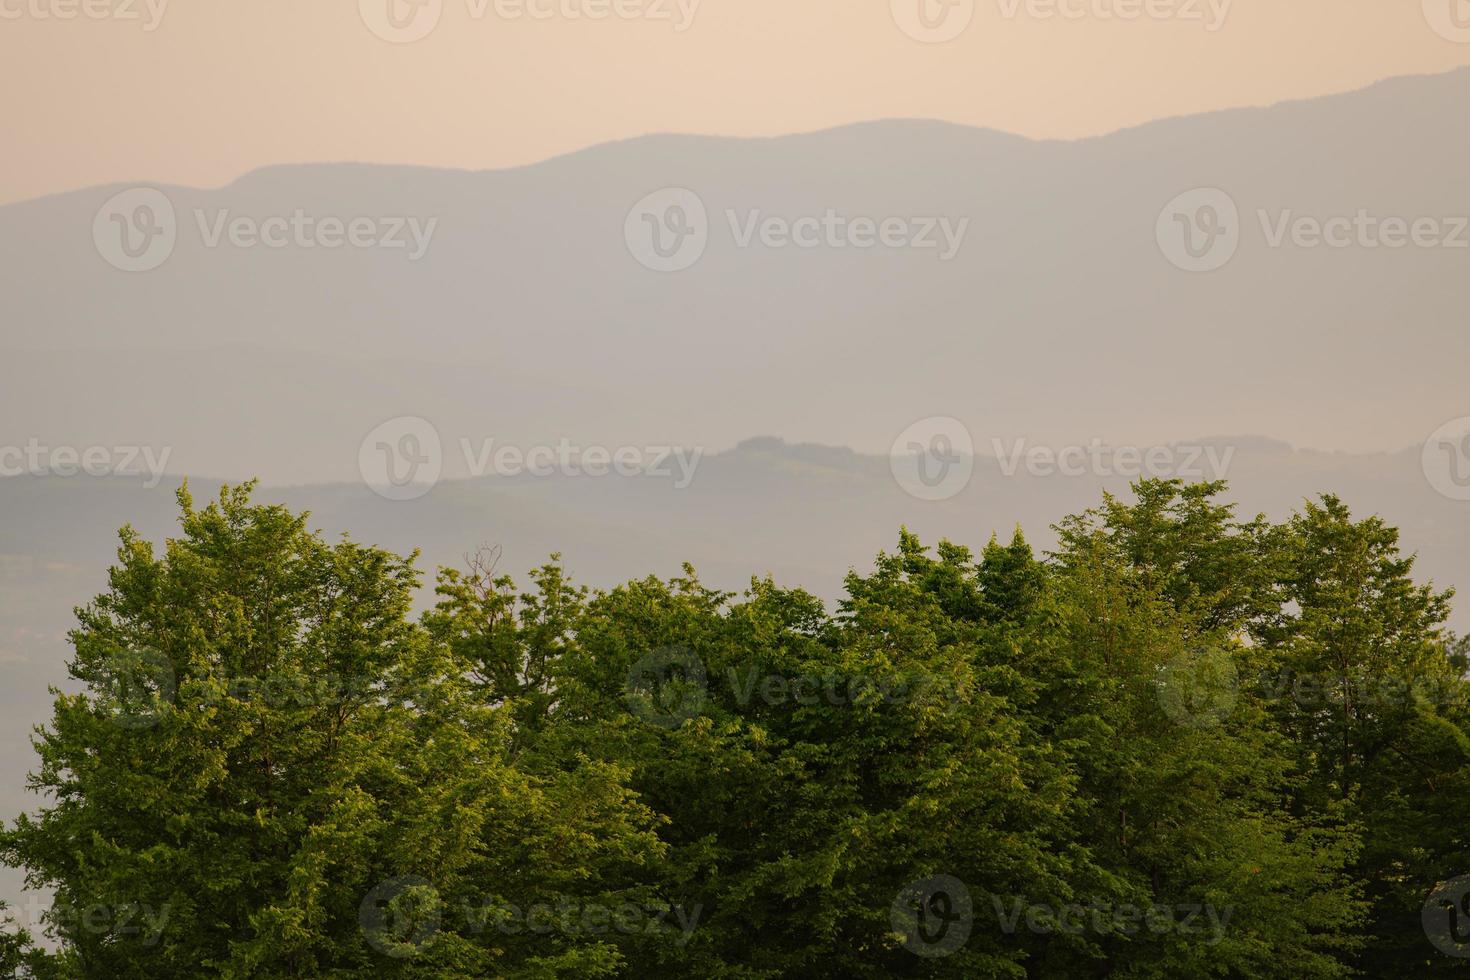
[{"x": 1183, "y": 744}]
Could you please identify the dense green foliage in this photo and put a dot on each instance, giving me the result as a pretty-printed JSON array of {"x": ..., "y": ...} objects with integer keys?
[{"x": 1182, "y": 745}]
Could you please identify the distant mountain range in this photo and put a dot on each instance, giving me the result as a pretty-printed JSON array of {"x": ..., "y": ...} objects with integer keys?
[
  {"x": 528, "y": 318},
  {"x": 804, "y": 513}
]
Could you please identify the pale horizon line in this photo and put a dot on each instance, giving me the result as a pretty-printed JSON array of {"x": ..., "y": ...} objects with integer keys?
[{"x": 721, "y": 137}]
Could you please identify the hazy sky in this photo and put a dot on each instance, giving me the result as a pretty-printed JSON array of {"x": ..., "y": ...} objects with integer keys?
[{"x": 200, "y": 92}]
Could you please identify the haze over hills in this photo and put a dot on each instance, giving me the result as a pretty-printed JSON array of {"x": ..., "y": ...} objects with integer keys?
[
  {"x": 801, "y": 513},
  {"x": 528, "y": 318},
  {"x": 668, "y": 336}
]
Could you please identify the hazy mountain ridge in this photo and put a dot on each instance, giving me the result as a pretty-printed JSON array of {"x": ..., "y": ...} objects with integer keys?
[
  {"x": 528, "y": 319},
  {"x": 814, "y": 506}
]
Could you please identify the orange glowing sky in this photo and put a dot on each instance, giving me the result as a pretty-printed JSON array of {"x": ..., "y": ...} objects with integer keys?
[{"x": 215, "y": 89}]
